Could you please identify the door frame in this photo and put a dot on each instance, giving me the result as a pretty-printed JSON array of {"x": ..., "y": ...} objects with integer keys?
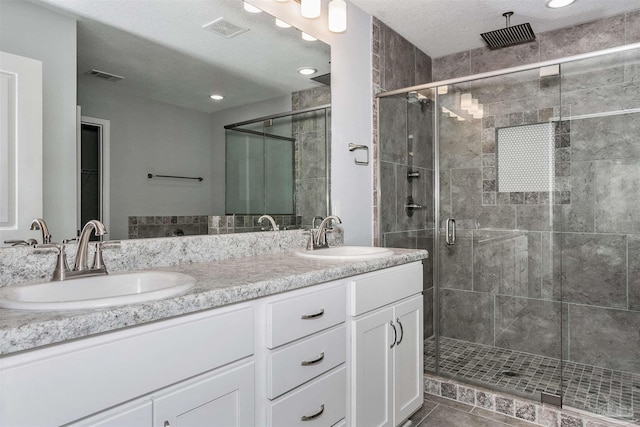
[{"x": 105, "y": 166}]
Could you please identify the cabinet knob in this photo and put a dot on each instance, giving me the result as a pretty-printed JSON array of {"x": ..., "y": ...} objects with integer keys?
[
  {"x": 314, "y": 416},
  {"x": 313, "y": 316},
  {"x": 314, "y": 361}
]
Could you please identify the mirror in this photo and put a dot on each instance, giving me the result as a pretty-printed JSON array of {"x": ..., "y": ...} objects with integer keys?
[{"x": 159, "y": 117}]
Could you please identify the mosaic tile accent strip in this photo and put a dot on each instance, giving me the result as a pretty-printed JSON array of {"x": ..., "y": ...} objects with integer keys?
[{"x": 600, "y": 391}]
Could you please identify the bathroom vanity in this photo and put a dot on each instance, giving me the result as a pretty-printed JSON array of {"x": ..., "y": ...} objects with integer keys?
[{"x": 272, "y": 340}]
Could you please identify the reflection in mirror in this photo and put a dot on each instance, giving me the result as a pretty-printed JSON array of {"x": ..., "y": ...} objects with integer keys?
[{"x": 160, "y": 116}]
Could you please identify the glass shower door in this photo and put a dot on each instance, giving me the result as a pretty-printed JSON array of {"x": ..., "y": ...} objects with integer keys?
[
  {"x": 600, "y": 254},
  {"x": 499, "y": 196}
]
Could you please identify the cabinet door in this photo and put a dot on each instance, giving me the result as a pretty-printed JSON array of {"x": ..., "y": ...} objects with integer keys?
[
  {"x": 216, "y": 399},
  {"x": 409, "y": 386},
  {"x": 372, "y": 368},
  {"x": 136, "y": 414}
]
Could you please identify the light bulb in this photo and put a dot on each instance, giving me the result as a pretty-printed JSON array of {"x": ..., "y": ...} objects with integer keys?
[
  {"x": 217, "y": 97},
  {"x": 307, "y": 71},
  {"x": 555, "y": 4},
  {"x": 280, "y": 23},
  {"x": 251, "y": 8},
  {"x": 310, "y": 8},
  {"x": 337, "y": 16}
]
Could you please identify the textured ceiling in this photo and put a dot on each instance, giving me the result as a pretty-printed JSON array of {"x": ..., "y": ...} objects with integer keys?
[
  {"x": 441, "y": 27},
  {"x": 164, "y": 54}
]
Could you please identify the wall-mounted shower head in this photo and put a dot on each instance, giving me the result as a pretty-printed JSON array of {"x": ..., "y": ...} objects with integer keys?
[{"x": 509, "y": 36}]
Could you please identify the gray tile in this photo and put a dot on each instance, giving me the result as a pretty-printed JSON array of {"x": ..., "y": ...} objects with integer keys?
[
  {"x": 600, "y": 34},
  {"x": 634, "y": 272},
  {"x": 400, "y": 239},
  {"x": 548, "y": 417},
  {"x": 423, "y": 73},
  {"x": 445, "y": 417},
  {"x": 486, "y": 400},
  {"x": 604, "y": 138},
  {"x": 525, "y": 411},
  {"x": 500, "y": 261},
  {"x": 393, "y": 129},
  {"x": 633, "y": 27},
  {"x": 456, "y": 262},
  {"x": 483, "y": 59},
  {"x": 615, "y": 211},
  {"x": 460, "y": 144},
  {"x": 604, "y": 337},
  {"x": 505, "y": 405},
  {"x": 466, "y": 315},
  {"x": 594, "y": 269},
  {"x": 570, "y": 421},
  {"x": 538, "y": 217},
  {"x": 388, "y": 197},
  {"x": 602, "y": 99},
  {"x": 421, "y": 414},
  {"x": 449, "y": 390},
  {"x": 501, "y": 418},
  {"x": 398, "y": 60},
  {"x": 528, "y": 325},
  {"x": 579, "y": 216},
  {"x": 520, "y": 88},
  {"x": 451, "y": 66},
  {"x": 593, "y": 72},
  {"x": 466, "y": 395},
  {"x": 451, "y": 404}
]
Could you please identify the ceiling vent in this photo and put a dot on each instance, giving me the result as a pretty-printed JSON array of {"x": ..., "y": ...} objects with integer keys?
[
  {"x": 224, "y": 28},
  {"x": 104, "y": 75}
]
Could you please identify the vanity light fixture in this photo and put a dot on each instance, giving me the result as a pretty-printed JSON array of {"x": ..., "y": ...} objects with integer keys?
[
  {"x": 556, "y": 4},
  {"x": 280, "y": 23},
  {"x": 337, "y": 16},
  {"x": 310, "y": 8},
  {"x": 308, "y": 37},
  {"x": 337, "y": 13},
  {"x": 307, "y": 71},
  {"x": 216, "y": 97}
]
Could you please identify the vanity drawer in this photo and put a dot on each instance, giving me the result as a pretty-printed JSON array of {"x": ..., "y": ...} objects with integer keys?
[
  {"x": 296, "y": 364},
  {"x": 373, "y": 290},
  {"x": 323, "y": 398},
  {"x": 293, "y": 318}
]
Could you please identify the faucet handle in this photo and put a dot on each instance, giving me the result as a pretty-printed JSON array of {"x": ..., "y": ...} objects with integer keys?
[
  {"x": 62, "y": 266},
  {"x": 98, "y": 261}
]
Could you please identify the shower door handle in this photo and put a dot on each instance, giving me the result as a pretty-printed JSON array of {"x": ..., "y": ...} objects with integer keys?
[{"x": 450, "y": 231}]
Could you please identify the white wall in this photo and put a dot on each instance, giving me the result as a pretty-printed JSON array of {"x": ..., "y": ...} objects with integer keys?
[
  {"x": 151, "y": 137},
  {"x": 227, "y": 117},
  {"x": 35, "y": 32},
  {"x": 352, "y": 112}
]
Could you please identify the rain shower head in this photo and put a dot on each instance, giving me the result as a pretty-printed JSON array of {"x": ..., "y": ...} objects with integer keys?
[{"x": 509, "y": 36}]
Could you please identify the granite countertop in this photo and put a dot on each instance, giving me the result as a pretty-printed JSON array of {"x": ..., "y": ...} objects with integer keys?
[{"x": 218, "y": 283}]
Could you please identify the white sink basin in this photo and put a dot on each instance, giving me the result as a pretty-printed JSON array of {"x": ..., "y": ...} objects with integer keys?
[
  {"x": 354, "y": 253},
  {"x": 95, "y": 292}
]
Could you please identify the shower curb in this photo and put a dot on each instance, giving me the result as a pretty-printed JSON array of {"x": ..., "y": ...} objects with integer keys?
[{"x": 515, "y": 407}]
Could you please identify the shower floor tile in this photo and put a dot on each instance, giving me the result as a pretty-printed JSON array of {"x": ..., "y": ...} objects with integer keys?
[{"x": 597, "y": 390}]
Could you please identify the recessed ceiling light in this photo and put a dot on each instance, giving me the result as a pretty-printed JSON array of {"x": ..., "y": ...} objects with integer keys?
[
  {"x": 251, "y": 8},
  {"x": 280, "y": 23},
  {"x": 307, "y": 71},
  {"x": 217, "y": 97},
  {"x": 308, "y": 37},
  {"x": 555, "y": 4}
]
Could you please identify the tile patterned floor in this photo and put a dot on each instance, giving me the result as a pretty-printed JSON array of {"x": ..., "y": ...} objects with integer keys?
[
  {"x": 597, "y": 390},
  {"x": 441, "y": 412}
]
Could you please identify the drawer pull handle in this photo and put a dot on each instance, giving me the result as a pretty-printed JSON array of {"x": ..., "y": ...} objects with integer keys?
[
  {"x": 312, "y": 316},
  {"x": 395, "y": 334},
  {"x": 313, "y": 362},
  {"x": 401, "y": 330},
  {"x": 314, "y": 416}
]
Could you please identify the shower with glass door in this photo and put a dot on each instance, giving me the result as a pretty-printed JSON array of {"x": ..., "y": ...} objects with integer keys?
[{"x": 531, "y": 186}]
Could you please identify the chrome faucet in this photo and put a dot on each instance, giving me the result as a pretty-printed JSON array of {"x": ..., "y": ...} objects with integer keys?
[
  {"x": 320, "y": 240},
  {"x": 83, "y": 245},
  {"x": 39, "y": 224},
  {"x": 274, "y": 226},
  {"x": 81, "y": 266}
]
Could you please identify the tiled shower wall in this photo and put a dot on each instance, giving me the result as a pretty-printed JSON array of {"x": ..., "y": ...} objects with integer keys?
[
  {"x": 312, "y": 132},
  {"x": 527, "y": 265},
  {"x": 404, "y": 144}
]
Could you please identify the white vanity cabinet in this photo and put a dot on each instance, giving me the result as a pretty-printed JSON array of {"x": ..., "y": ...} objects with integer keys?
[
  {"x": 146, "y": 365},
  {"x": 386, "y": 347},
  {"x": 301, "y": 376}
]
